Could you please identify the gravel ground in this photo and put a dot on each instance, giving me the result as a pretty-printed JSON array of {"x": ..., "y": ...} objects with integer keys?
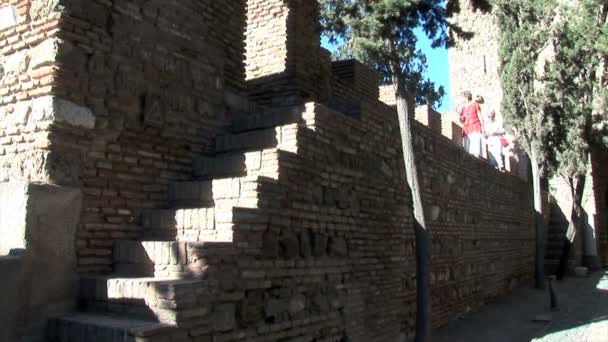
[{"x": 525, "y": 315}]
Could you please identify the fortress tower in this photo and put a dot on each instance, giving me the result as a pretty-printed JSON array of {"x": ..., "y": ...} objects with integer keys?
[{"x": 474, "y": 63}]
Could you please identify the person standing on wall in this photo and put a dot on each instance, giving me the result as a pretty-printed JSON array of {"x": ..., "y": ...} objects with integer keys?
[
  {"x": 494, "y": 135},
  {"x": 472, "y": 126}
]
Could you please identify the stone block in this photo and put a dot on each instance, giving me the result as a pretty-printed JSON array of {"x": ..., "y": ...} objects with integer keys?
[
  {"x": 297, "y": 304},
  {"x": 226, "y": 188},
  {"x": 56, "y": 109},
  {"x": 319, "y": 245},
  {"x": 224, "y": 317},
  {"x": 46, "y": 217},
  {"x": 45, "y": 53},
  {"x": 274, "y": 307},
  {"x": 270, "y": 245},
  {"x": 305, "y": 244},
  {"x": 16, "y": 63},
  {"x": 320, "y": 303},
  {"x": 153, "y": 111},
  {"x": 8, "y": 16},
  {"x": 338, "y": 247},
  {"x": 13, "y": 213},
  {"x": 43, "y": 8},
  {"x": 251, "y": 308},
  {"x": 290, "y": 246},
  {"x": 190, "y": 193},
  {"x": 247, "y": 141}
]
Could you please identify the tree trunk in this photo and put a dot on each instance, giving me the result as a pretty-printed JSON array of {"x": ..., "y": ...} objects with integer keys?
[
  {"x": 577, "y": 186},
  {"x": 539, "y": 226},
  {"x": 423, "y": 303}
]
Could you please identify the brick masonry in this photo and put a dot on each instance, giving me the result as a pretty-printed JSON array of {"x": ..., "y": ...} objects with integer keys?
[
  {"x": 155, "y": 85},
  {"x": 281, "y": 223}
]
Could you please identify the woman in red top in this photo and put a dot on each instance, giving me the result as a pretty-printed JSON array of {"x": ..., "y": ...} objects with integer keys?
[{"x": 472, "y": 127}]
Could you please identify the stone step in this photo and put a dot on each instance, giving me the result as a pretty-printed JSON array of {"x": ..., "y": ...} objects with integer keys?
[
  {"x": 283, "y": 137},
  {"x": 268, "y": 119},
  {"x": 209, "y": 223},
  {"x": 190, "y": 194},
  {"x": 91, "y": 327},
  {"x": 251, "y": 140},
  {"x": 210, "y": 192},
  {"x": 220, "y": 166},
  {"x": 167, "y": 258},
  {"x": 236, "y": 164},
  {"x": 194, "y": 224},
  {"x": 166, "y": 300}
]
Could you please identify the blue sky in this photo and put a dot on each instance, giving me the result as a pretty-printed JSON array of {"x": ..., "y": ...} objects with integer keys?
[{"x": 437, "y": 60}]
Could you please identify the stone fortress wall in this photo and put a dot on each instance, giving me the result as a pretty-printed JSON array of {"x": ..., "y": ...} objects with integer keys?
[{"x": 209, "y": 217}]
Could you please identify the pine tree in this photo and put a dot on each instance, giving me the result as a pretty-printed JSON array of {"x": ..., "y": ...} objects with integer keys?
[
  {"x": 576, "y": 85},
  {"x": 524, "y": 34},
  {"x": 553, "y": 73},
  {"x": 357, "y": 42},
  {"x": 381, "y": 34}
]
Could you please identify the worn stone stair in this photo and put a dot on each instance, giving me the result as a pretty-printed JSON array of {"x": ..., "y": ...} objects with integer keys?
[
  {"x": 266, "y": 119},
  {"x": 556, "y": 233},
  {"x": 166, "y": 258},
  {"x": 107, "y": 328},
  {"x": 280, "y": 136},
  {"x": 161, "y": 286},
  {"x": 233, "y": 164},
  {"x": 166, "y": 300}
]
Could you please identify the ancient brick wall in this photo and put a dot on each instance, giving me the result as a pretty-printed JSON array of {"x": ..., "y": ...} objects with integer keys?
[
  {"x": 266, "y": 38},
  {"x": 307, "y": 235},
  {"x": 154, "y": 76},
  {"x": 26, "y": 72},
  {"x": 325, "y": 247},
  {"x": 427, "y": 116},
  {"x": 481, "y": 224},
  {"x": 285, "y": 62},
  {"x": 346, "y": 183},
  {"x": 115, "y": 98}
]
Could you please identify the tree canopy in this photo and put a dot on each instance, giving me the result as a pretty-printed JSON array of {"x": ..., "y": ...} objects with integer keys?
[
  {"x": 553, "y": 75},
  {"x": 381, "y": 33}
]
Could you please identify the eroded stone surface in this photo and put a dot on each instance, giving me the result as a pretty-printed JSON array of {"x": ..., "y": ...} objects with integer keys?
[
  {"x": 63, "y": 111},
  {"x": 8, "y": 16},
  {"x": 42, "y": 8}
]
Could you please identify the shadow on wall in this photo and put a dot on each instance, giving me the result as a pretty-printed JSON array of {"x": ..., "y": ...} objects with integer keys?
[{"x": 39, "y": 276}]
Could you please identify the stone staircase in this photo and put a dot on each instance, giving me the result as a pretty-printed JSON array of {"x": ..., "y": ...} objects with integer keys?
[
  {"x": 556, "y": 233},
  {"x": 165, "y": 287}
]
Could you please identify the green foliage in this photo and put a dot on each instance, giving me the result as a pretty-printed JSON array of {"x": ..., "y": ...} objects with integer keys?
[
  {"x": 381, "y": 34},
  {"x": 551, "y": 73},
  {"x": 524, "y": 33}
]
